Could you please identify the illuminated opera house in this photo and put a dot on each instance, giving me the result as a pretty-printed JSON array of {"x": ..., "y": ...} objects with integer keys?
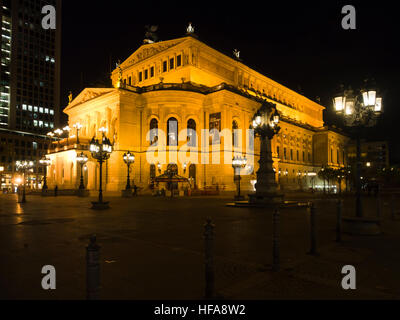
[{"x": 166, "y": 101}]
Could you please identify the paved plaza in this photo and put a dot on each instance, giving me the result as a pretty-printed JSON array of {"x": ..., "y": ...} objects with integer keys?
[{"x": 152, "y": 248}]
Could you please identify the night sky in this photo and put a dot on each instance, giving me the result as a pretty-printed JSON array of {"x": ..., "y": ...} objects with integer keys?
[{"x": 298, "y": 44}]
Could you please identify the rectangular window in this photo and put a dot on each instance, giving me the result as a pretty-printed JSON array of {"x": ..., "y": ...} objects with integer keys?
[
  {"x": 278, "y": 152},
  {"x": 179, "y": 61},
  {"x": 291, "y": 154},
  {"x": 284, "y": 154},
  {"x": 130, "y": 81},
  {"x": 309, "y": 157},
  {"x": 171, "y": 63},
  {"x": 165, "y": 66},
  {"x": 151, "y": 72},
  {"x": 304, "y": 157},
  {"x": 298, "y": 155},
  {"x": 146, "y": 74},
  {"x": 140, "y": 76}
]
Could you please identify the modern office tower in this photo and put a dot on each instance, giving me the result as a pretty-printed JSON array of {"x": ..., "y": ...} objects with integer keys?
[{"x": 29, "y": 82}]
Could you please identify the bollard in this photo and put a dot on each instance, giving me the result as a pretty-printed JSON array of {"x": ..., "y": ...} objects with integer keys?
[
  {"x": 339, "y": 221},
  {"x": 275, "y": 239},
  {"x": 209, "y": 259},
  {"x": 93, "y": 269},
  {"x": 313, "y": 230}
]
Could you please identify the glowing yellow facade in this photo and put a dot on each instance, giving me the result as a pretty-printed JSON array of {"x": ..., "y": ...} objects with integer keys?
[{"x": 191, "y": 82}]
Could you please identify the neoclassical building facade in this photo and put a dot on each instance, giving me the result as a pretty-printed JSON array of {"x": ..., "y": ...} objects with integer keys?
[{"x": 181, "y": 104}]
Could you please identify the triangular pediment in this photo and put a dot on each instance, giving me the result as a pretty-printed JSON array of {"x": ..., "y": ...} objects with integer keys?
[
  {"x": 87, "y": 95},
  {"x": 149, "y": 50}
]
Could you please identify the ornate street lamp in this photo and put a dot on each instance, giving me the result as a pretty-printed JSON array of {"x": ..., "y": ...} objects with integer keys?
[
  {"x": 82, "y": 159},
  {"x": 266, "y": 126},
  {"x": 45, "y": 162},
  {"x": 51, "y": 136},
  {"x": 78, "y": 128},
  {"x": 23, "y": 166},
  {"x": 67, "y": 129},
  {"x": 359, "y": 111},
  {"x": 185, "y": 167},
  {"x": 129, "y": 159},
  {"x": 58, "y": 133},
  {"x": 238, "y": 163},
  {"x": 101, "y": 151}
]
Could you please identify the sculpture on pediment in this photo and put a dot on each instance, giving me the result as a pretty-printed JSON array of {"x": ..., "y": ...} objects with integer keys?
[
  {"x": 150, "y": 35},
  {"x": 70, "y": 97},
  {"x": 190, "y": 29}
]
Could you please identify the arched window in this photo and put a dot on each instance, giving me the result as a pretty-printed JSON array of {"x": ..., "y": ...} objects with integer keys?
[
  {"x": 191, "y": 133},
  {"x": 153, "y": 131},
  {"x": 235, "y": 134},
  {"x": 172, "y": 127}
]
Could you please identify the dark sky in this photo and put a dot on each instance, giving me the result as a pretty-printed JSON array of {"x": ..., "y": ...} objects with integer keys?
[{"x": 299, "y": 44}]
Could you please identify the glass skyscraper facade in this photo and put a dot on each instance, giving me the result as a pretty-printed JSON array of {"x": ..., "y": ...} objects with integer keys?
[{"x": 29, "y": 83}]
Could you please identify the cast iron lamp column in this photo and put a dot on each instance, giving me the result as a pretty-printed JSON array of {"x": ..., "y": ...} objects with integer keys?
[
  {"x": 51, "y": 137},
  {"x": 45, "y": 162},
  {"x": 238, "y": 163},
  {"x": 78, "y": 128},
  {"x": 265, "y": 125},
  {"x": 101, "y": 152},
  {"x": 58, "y": 133},
  {"x": 359, "y": 111},
  {"x": 67, "y": 129},
  {"x": 129, "y": 159},
  {"x": 82, "y": 159},
  {"x": 23, "y": 166}
]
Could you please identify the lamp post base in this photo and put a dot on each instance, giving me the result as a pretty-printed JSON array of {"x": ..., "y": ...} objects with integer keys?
[
  {"x": 83, "y": 193},
  {"x": 100, "y": 205},
  {"x": 266, "y": 199},
  {"x": 127, "y": 193}
]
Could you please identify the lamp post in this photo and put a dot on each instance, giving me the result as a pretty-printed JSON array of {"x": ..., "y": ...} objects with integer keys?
[
  {"x": 58, "y": 133},
  {"x": 51, "y": 136},
  {"x": 266, "y": 126},
  {"x": 23, "y": 166},
  {"x": 78, "y": 128},
  {"x": 359, "y": 111},
  {"x": 82, "y": 159},
  {"x": 238, "y": 163},
  {"x": 129, "y": 159},
  {"x": 101, "y": 151},
  {"x": 185, "y": 167},
  {"x": 45, "y": 162},
  {"x": 67, "y": 129}
]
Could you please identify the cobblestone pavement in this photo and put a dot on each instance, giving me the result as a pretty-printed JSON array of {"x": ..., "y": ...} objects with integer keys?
[{"x": 152, "y": 248}]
